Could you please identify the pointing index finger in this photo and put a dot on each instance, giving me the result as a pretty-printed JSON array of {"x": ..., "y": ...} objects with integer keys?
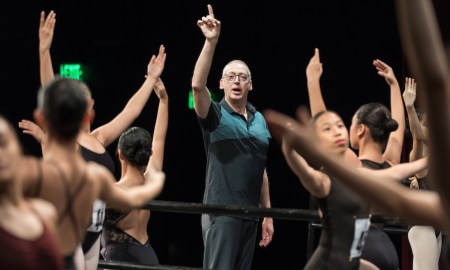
[{"x": 210, "y": 11}]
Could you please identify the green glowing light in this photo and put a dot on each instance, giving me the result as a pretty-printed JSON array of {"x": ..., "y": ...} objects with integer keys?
[{"x": 74, "y": 71}]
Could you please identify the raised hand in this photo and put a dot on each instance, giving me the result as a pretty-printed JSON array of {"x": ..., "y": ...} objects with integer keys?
[
  {"x": 314, "y": 69},
  {"x": 298, "y": 134},
  {"x": 160, "y": 89},
  {"x": 409, "y": 95},
  {"x": 156, "y": 65},
  {"x": 46, "y": 29},
  {"x": 385, "y": 71},
  {"x": 209, "y": 25},
  {"x": 290, "y": 130},
  {"x": 31, "y": 128}
]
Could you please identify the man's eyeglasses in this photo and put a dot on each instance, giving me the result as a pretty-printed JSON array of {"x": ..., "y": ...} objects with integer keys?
[{"x": 232, "y": 77}]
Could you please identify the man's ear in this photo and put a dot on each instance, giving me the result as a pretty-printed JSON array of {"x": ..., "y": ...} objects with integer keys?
[{"x": 221, "y": 84}]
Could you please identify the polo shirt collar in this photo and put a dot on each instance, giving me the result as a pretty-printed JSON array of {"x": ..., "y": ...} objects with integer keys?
[{"x": 250, "y": 108}]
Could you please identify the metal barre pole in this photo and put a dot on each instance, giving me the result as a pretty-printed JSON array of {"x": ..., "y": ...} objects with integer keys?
[{"x": 248, "y": 211}]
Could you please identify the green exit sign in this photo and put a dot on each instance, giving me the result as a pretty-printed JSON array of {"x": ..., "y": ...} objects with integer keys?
[
  {"x": 214, "y": 97},
  {"x": 74, "y": 71}
]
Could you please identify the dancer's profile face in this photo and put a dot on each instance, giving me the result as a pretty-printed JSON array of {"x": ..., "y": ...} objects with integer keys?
[{"x": 10, "y": 151}]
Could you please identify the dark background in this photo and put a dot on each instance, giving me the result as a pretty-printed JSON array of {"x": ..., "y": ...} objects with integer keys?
[{"x": 114, "y": 40}]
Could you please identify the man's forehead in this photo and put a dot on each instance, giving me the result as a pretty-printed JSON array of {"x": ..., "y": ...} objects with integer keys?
[{"x": 236, "y": 67}]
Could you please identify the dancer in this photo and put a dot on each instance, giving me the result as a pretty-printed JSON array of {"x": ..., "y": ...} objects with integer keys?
[
  {"x": 93, "y": 144},
  {"x": 28, "y": 225},
  {"x": 425, "y": 241},
  {"x": 67, "y": 180},
  {"x": 124, "y": 237},
  {"x": 378, "y": 137}
]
